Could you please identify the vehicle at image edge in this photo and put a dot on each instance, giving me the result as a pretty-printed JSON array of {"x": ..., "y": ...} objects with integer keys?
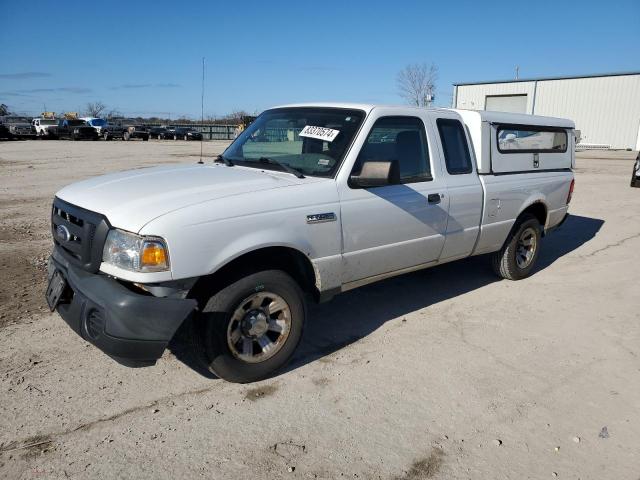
[
  {"x": 309, "y": 201},
  {"x": 186, "y": 133},
  {"x": 635, "y": 175},
  {"x": 45, "y": 127},
  {"x": 124, "y": 130},
  {"x": 16, "y": 127},
  {"x": 97, "y": 123},
  {"x": 76, "y": 129},
  {"x": 157, "y": 132}
]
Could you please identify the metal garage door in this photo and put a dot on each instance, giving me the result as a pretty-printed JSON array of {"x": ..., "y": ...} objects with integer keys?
[{"x": 506, "y": 103}]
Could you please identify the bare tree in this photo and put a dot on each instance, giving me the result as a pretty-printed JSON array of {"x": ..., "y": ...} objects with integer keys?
[
  {"x": 4, "y": 110},
  {"x": 417, "y": 83},
  {"x": 95, "y": 109}
]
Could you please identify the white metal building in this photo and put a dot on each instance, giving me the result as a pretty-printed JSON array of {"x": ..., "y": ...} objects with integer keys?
[{"x": 605, "y": 108}]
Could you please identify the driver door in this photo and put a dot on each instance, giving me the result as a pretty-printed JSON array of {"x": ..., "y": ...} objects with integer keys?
[{"x": 394, "y": 227}]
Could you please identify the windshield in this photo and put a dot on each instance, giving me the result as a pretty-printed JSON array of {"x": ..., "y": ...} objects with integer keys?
[
  {"x": 311, "y": 140},
  {"x": 98, "y": 122}
]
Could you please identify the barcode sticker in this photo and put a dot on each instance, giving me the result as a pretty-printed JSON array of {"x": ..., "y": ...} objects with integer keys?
[{"x": 320, "y": 133}]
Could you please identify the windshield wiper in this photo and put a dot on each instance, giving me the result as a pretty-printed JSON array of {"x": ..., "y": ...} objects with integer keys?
[
  {"x": 225, "y": 160},
  {"x": 284, "y": 166}
]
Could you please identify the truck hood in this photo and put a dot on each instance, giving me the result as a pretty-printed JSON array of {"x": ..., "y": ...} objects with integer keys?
[{"x": 133, "y": 198}]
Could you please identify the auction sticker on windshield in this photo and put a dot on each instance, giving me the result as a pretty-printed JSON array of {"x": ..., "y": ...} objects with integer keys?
[{"x": 321, "y": 133}]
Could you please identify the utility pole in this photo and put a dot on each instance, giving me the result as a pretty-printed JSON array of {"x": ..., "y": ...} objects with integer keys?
[
  {"x": 517, "y": 71},
  {"x": 202, "y": 112}
]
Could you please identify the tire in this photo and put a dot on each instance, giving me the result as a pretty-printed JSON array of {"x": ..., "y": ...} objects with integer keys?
[
  {"x": 73, "y": 137},
  {"x": 272, "y": 304},
  {"x": 145, "y": 139},
  {"x": 186, "y": 138},
  {"x": 175, "y": 137},
  {"x": 517, "y": 257},
  {"x": 106, "y": 137},
  {"x": 126, "y": 136},
  {"x": 635, "y": 175}
]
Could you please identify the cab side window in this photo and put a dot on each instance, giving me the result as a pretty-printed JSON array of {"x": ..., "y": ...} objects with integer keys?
[
  {"x": 454, "y": 144},
  {"x": 400, "y": 139}
]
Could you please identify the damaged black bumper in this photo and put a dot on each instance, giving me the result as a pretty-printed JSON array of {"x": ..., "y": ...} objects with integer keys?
[{"x": 133, "y": 328}]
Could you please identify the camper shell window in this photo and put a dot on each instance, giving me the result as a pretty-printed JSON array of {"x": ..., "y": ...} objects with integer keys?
[{"x": 531, "y": 139}]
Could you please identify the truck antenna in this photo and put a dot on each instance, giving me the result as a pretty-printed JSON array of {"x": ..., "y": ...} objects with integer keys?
[{"x": 202, "y": 112}]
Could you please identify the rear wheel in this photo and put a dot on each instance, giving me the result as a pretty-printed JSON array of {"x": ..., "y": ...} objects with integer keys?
[
  {"x": 516, "y": 259},
  {"x": 186, "y": 138},
  {"x": 106, "y": 136},
  {"x": 175, "y": 137},
  {"x": 126, "y": 136},
  {"x": 250, "y": 328}
]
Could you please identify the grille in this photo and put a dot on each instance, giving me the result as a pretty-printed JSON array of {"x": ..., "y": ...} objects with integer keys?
[
  {"x": 64, "y": 222},
  {"x": 79, "y": 234}
]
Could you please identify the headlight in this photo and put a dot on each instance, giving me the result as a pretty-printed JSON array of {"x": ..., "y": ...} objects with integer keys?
[
  {"x": 76, "y": 130},
  {"x": 136, "y": 253}
]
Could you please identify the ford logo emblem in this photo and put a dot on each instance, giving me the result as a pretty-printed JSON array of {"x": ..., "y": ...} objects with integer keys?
[{"x": 63, "y": 233}]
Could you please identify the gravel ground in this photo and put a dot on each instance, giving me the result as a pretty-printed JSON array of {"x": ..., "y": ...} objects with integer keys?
[{"x": 446, "y": 373}]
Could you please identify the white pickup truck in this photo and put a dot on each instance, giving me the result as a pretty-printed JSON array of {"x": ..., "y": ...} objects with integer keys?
[
  {"x": 45, "y": 127},
  {"x": 309, "y": 201}
]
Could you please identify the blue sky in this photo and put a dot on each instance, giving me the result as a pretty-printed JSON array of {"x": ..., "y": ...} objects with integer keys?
[{"x": 145, "y": 57}]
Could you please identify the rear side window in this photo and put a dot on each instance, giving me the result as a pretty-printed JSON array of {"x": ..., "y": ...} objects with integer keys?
[
  {"x": 531, "y": 139},
  {"x": 454, "y": 144},
  {"x": 402, "y": 139}
]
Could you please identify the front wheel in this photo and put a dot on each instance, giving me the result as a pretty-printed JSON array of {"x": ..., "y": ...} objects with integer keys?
[
  {"x": 517, "y": 257},
  {"x": 251, "y": 328},
  {"x": 126, "y": 136}
]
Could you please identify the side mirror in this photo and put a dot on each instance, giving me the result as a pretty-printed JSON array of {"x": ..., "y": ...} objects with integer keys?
[
  {"x": 510, "y": 137},
  {"x": 376, "y": 174}
]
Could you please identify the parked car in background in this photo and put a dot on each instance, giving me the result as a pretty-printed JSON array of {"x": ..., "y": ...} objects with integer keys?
[
  {"x": 17, "y": 127},
  {"x": 124, "y": 130},
  {"x": 97, "y": 123},
  {"x": 136, "y": 131},
  {"x": 4, "y": 132},
  {"x": 76, "y": 129},
  {"x": 45, "y": 127},
  {"x": 347, "y": 195},
  {"x": 157, "y": 132},
  {"x": 170, "y": 132},
  {"x": 113, "y": 129},
  {"x": 186, "y": 133}
]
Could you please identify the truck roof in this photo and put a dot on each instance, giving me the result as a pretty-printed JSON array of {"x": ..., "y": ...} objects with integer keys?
[{"x": 501, "y": 117}]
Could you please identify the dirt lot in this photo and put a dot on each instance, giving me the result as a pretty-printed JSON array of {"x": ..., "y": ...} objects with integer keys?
[{"x": 446, "y": 373}]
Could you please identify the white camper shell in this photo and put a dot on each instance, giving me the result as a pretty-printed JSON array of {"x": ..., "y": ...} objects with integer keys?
[{"x": 517, "y": 143}]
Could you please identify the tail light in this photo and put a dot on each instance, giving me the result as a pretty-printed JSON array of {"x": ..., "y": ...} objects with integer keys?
[{"x": 573, "y": 182}]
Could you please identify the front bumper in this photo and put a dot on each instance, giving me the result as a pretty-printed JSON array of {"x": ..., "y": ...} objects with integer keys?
[{"x": 132, "y": 328}]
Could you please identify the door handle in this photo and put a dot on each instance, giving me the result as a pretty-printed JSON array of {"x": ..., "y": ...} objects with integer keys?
[{"x": 433, "y": 198}]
